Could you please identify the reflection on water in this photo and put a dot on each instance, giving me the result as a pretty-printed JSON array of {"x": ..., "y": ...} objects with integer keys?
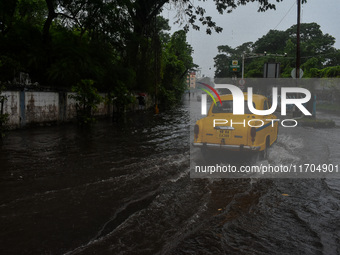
[{"x": 126, "y": 189}]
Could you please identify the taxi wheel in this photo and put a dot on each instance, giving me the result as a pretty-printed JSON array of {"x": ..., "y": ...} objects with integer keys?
[{"x": 264, "y": 153}]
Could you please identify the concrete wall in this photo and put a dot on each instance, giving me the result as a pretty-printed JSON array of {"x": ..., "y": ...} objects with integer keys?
[
  {"x": 41, "y": 107},
  {"x": 12, "y": 107},
  {"x": 28, "y": 108}
]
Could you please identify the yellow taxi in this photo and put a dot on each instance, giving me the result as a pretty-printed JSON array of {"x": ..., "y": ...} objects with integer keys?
[{"x": 222, "y": 130}]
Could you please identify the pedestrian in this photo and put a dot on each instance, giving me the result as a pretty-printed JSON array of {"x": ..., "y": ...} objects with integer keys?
[{"x": 141, "y": 102}]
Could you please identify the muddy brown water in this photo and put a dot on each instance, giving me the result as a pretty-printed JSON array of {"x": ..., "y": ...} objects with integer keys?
[{"x": 126, "y": 189}]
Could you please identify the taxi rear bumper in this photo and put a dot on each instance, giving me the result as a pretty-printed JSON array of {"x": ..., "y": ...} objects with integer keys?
[{"x": 227, "y": 147}]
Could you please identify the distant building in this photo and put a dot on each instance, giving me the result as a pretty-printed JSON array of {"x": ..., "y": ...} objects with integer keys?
[{"x": 191, "y": 80}]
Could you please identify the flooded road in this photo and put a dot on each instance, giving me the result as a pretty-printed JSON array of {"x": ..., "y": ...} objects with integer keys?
[{"x": 126, "y": 189}]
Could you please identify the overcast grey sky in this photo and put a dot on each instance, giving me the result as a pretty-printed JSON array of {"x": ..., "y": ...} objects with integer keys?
[{"x": 245, "y": 24}]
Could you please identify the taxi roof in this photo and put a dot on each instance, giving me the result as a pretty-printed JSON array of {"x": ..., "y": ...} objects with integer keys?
[
  {"x": 258, "y": 100},
  {"x": 256, "y": 97}
]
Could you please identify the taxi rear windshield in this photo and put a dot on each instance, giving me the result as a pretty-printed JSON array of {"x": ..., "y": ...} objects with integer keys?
[{"x": 227, "y": 107}]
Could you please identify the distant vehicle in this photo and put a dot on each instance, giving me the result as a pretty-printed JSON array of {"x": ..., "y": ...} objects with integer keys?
[{"x": 216, "y": 131}]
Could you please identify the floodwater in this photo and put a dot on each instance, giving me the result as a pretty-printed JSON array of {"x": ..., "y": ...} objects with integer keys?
[{"x": 126, "y": 189}]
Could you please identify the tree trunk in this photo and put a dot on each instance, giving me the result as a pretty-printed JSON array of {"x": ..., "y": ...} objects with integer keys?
[{"x": 51, "y": 16}]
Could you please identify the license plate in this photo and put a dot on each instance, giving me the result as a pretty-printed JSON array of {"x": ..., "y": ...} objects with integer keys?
[{"x": 224, "y": 133}]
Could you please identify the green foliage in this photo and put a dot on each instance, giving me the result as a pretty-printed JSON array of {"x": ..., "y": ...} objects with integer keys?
[
  {"x": 332, "y": 71},
  {"x": 226, "y": 55},
  {"x": 176, "y": 62},
  {"x": 196, "y": 13},
  {"x": 59, "y": 43},
  {"x": 317, "y": 53},
  {"x": 31, "y": 11},
  {"x": 78, "y": 58},
  {"x": 87, "y": 99},
  {"x": 311, "y": 63},
  {"x": 328, "y": 72},
  {"x": 8, "y": 68},
  {"x": 274, "y": 41},
  {"x": 120, "y": 97}
]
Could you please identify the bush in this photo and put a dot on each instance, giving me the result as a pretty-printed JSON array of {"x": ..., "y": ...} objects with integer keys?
[{"x": 87, "y": 98}]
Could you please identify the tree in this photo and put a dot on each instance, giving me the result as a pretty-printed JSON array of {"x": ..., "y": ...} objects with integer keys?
[
  {"x": 20, "y": 39},
  {"x": 226, "y": 55},
  {"x": 87, "y": 100},
  {"x": 113, "y": 42},
  {"x": 142, "y": 15},
  {"x": 274, "y": 41},
  {"x": 176, "y": 62},
  {"x": 317, "y": 52},
  {"x": 317, "y": 48},
  {"x": 196, "y": 13}
]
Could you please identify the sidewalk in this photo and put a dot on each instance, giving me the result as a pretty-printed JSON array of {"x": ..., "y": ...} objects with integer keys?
[{"x": 329, "y": 116}]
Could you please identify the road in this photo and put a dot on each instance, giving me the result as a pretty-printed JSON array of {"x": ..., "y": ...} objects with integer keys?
[{"x": 126, "y": 189}]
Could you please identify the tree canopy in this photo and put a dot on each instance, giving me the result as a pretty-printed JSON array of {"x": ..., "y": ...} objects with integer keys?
[
  {"x": 115, "y": 43},
  {"x": 317, "y": 53}
]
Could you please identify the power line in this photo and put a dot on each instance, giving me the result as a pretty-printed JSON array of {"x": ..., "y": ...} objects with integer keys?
[{"x": 285, "y": 15}]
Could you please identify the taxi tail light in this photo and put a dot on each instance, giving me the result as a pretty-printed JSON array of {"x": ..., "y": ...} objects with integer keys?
[
  {"x": 253, "y": 134},
  {"x": 196, "y": 131}
]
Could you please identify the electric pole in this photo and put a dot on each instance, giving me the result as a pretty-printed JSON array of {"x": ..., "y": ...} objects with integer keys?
[{"x": 298, "y": 40}]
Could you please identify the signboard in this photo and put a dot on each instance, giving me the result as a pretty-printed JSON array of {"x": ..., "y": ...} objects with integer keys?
[
  {"x": 271, "y": 70},
  {"x": 293, "y": 73},
  {"x": 234, "y": 66},
  {"x": 241, "y": 82}
]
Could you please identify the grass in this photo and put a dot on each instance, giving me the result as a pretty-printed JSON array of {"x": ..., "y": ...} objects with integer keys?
[
  {"x": 316, "y": 123},
  {"x": 328, "y": 107}
]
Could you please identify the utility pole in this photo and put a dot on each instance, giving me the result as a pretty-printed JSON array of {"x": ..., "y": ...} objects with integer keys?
[
  {"x": 243, "y": 65},
  {"x": 298, "y": 40},
  {"x": 297, "y": 73}
]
